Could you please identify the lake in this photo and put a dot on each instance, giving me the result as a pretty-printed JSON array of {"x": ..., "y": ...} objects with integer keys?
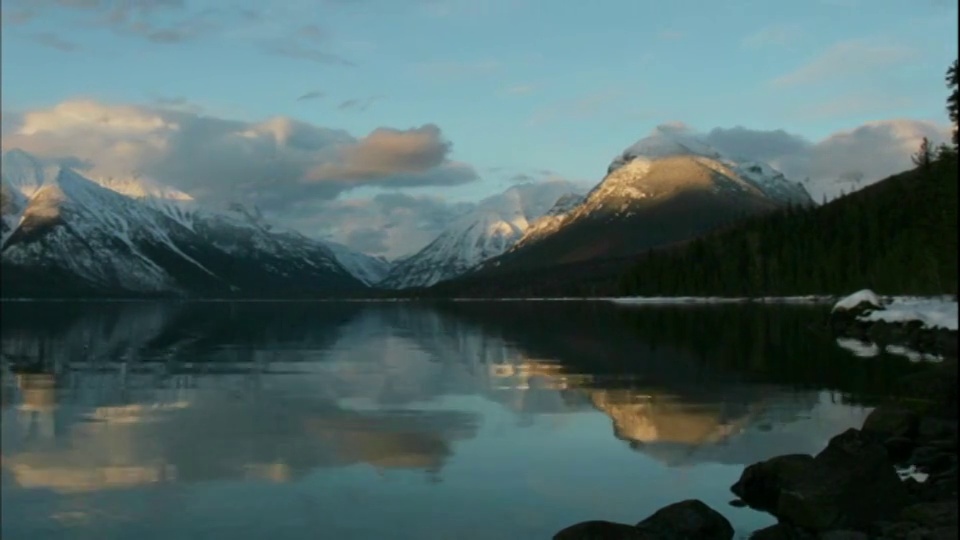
[{"x": 466, "y": 420}]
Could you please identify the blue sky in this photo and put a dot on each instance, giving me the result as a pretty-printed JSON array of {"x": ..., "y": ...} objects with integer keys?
[{"x": 517, "y": 86}]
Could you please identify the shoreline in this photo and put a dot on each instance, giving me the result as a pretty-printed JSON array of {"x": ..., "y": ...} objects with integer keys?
[{"x": 893, "y": 478}]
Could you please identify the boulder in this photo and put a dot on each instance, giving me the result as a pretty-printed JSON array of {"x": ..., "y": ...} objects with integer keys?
[
  {"x": 686, "y": 520},
  {"x": 599, "y": 530},
  {"x": 850, "y": 484},
  {"x": 845, "y": 313},
  {"x": 760, "y": 484},
  {"x": 898, "y": 449},
  {"x": 942, "y": 429},
  {"x": 844, "y": 535},
  {"x": 782, "y": 531},
  {"x": 886, "y": 422},
  {"x": 931, "y": 514}
]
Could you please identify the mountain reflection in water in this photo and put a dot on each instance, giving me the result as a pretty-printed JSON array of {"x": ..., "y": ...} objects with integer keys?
[{"x": 361, "y": 420}]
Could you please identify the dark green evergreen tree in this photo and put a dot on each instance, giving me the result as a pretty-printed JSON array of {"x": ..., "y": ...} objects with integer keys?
[
  {"x": 924, "y": 155},
  {"x": 953, "y": 100}
]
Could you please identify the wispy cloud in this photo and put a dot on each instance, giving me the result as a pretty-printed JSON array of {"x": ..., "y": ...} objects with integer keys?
[
  {"x": 776, "y": 35},
  {"x": 294, "y": 49},
  {"x": 311, "y": 95},
  {"x": 51, "y": 40},
  {"x": 843, "y": 60},
  {"x": 457, "y": 68},
  {"x": 359, "y": 104},
  {"x": 158, "y": 21}
]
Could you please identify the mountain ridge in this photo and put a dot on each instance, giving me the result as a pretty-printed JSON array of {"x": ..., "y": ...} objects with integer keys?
[
  {"x": 666, "y": 188},
  {"x": 490, "y": 229},
  {"x": 67, "y": 235}
]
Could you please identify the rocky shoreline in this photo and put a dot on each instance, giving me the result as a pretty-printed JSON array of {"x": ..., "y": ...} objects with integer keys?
[
  {"x": 851, "y": 318},
  {"x": 852, "y": 489}
]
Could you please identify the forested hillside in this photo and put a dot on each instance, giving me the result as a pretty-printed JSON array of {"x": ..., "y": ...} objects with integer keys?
[{"x": 897, "y": 236}]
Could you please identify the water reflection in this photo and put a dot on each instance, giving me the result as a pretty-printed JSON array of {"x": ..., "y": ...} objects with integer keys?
[{"x": 523, "y": 411}]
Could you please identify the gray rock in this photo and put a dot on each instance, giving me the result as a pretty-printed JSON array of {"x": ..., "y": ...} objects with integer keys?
[{"x": 686, "y": 520}]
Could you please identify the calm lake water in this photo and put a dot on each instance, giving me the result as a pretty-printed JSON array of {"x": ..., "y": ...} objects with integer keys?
[{"x": 501, "y": 420}]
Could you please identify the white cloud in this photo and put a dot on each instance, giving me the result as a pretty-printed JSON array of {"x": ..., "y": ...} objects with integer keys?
[
  {"x": 388, "y": 224},
  {"x": 872, "y": 151},
  {"x": 272, "y": 163}
]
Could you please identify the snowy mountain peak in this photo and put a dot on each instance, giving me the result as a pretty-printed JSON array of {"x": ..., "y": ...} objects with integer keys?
[
  {"x": 666, "y": 141},
  {"x": 138, "y": 187},
  {"x": 631, "y": 170},
  {"x": 24, "y": 172},
  {"x": 64, "y": 233},
  {"x": 493, "y": 227}
]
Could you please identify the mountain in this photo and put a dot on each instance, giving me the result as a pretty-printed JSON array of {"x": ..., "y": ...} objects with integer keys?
[
  {"x": 369, "y": 269},
  {"x": 664, "y": 189},
  {"x": 495, "y": 225},
  {"x": 66, "y": 235},
  {"x": 898, "y": 235}
]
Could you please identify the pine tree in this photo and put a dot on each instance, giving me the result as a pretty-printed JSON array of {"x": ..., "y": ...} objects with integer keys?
[
  {"x": 953, "y": 100},
  {"x": 924, "y": 155}
]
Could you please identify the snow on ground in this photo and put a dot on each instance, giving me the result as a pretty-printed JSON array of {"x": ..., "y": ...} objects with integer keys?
[
  {"x": 912, "y": 355},
  {"x": 932, "y": 312},
  {"x": 912, "y": 472},
  {"x": 866, "y": 349},
  {"x": 661, "y": 300},
  {"x": 865, "y": 296},
  {"x": 862, "y": 349}
]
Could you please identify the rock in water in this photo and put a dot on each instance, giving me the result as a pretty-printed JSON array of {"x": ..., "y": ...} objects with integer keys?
[
  {"x": 761, "y": 483},
  {"x": 887, "y": 422},
  {"x": 686, "y": 520},
  {"x": 599, "y": 530},
  {"x": 782, "y": 531},
  {"x": 851, "y": 484}
]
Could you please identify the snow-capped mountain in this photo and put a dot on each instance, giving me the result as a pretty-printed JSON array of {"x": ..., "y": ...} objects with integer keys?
[
  {"x": 490, "y": 229},
  {"x": 367, "y": 268},
  {"x": 548, "y": 223},
  {"x": 666, "y": 188},
  {"x": 65, "y": 234}
]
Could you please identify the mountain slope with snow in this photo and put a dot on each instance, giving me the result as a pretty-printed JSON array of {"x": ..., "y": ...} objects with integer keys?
[
  {"x": 490, "y": 229},
  {"x": 666, "y": 188},
  {"x": 367, "y": 268},
  {"x": 68, "y": 235}
]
